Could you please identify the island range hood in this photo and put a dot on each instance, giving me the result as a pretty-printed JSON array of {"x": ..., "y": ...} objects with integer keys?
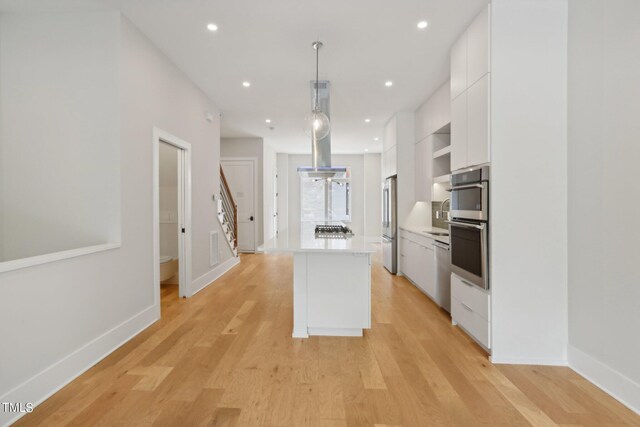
[{"x": 321, "y": 149}]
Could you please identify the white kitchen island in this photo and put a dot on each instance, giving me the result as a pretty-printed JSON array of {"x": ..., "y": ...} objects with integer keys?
[{"x": 331, "y": 281}]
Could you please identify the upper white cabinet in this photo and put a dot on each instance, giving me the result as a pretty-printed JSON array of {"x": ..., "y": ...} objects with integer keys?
[
  {"x": 389, "y": 138},
  {"x": 470, "y": 95},
  {"x": 434, "y": 114},
  {"x": 459, "y": 66},
  {"x": 390, "y": 148},
  {"x": 390, "y": 162},
  {"x": 459, "y": 132},
  {"x": 477, "y": 48},
  {"x": 478, "y": 130},
  {"x": 424, "y": 166}
]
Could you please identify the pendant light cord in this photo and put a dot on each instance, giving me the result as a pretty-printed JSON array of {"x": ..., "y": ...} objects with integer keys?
[{"x": 317, "y": 73}]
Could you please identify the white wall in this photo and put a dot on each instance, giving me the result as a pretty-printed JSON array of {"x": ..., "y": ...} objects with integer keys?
[
  {"x": 528, "y": 181},
  {"x": 249, "y": 147},
  {"x": 168, "y": 198},
  {"x": 282, "y": 164},
  {"x": 59, "y": 132},
  {"x": 373, "y": 195},
  {"x": 604, "y": 207},
  {"x": 73, "y": 312},
  {"x": 268, "y": 177}
]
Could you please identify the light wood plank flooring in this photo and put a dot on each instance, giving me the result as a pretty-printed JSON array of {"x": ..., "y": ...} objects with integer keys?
[{"x": 226, "y": 358}]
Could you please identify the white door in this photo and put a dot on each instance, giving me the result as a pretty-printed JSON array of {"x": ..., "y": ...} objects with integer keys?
[{"x": 241, "y": 177}]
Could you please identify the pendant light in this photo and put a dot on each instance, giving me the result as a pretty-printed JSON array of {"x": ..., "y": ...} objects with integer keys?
[{"x": 317, "y": 124}]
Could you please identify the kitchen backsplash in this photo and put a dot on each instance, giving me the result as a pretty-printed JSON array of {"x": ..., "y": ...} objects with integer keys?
[{"x": 439, "y": 223}]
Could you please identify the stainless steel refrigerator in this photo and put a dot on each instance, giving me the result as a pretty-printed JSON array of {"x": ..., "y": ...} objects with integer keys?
[{"x": 390, "y": 225}]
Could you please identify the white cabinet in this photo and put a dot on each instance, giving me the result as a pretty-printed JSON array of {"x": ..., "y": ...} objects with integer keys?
[
  {"x": 434, "y": 114},
  {"x": 459, "y": 146},
  {"x": 478, "y": 130},
  {"x": 426, "y": 279},
  {"x": 471, "y": 309},
  {"x": 390, "y": 148},
  {"x": 470, "y": 113},
  {"x": 390, "y": 162},
  {"x": 402, "y": 252},
  {"x": 389, "y": 138},
  {"x": 477, "y": 47},
  {"x": 459, "y": 66},
  {"x": 417, "y": 262},
  {"x": 338, "y": 292},
  {"x": 424, "y": 168}
]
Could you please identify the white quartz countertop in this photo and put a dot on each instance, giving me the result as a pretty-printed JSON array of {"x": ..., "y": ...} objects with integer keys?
[
  {"x": 426, "y": 231},
  {"x": 303, "y": 239}
]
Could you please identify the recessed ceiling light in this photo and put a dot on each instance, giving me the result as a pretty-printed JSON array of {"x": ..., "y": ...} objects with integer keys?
[
  {"x": 366, "y": 150},
  {"x": 246, "y": 84},
  {"x": 367, "y": 120},
  {"x": 267, "y": 121},
  {"x": 388, "y": 83},
  {"x": 422, "y": 25},
  {"x": 212, "y": 27},
  {"x": 376, "y": 139}
]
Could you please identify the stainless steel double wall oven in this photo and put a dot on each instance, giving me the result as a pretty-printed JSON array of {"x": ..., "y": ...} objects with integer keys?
[{"x": 469, "y": 225}]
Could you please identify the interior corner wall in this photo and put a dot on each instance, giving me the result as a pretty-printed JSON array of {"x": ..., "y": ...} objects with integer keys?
[
  {"x": 249, "y": 147},
  {"x": 604, "y": 106},
  {"x": 528, "y": 219},
  {"x": 73, "y": 312}
]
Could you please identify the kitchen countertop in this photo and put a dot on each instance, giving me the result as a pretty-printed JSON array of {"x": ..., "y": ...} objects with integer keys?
[
  {"x": 303, "y": 239},
  {"x": 425, "y": 231}
]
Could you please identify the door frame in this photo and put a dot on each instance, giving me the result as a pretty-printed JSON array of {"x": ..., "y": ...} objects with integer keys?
[
  {"x": 184, "y": 213},
  {"x": 255, "y": 194}
]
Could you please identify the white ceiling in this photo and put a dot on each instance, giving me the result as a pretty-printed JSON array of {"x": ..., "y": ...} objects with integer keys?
[{"x": 268, "y": 42}]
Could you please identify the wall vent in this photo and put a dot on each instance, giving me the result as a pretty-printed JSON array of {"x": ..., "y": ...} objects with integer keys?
[{"x": 213, "y": 248}]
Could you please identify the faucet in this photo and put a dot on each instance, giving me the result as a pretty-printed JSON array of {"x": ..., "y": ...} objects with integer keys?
[{"x": 440, "y": 214}]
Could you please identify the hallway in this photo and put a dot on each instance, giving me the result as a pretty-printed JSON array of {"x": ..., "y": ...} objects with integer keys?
[{"x": 226, "y": 357}]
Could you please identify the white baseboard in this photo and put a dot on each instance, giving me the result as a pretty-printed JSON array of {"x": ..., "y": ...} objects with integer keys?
[
  {"x": 47, "y": 382},
  {"x": 206, "y": 279},
  {"x": 621, "y": 388},
  {"x": 335, "y": 332},
  {"x": 526, "y": 361}
]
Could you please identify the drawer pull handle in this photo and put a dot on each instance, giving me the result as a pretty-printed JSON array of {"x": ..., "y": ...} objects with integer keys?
[
  {"x": 466, "y": 306},
  {"x": 467, "y": 283}
]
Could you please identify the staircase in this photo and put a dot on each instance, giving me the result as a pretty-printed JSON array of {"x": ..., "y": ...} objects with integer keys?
[{"x": 228, "y": 214}]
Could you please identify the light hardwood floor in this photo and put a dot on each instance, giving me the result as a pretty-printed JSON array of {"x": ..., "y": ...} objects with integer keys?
[{"x": 226, "y": 358}]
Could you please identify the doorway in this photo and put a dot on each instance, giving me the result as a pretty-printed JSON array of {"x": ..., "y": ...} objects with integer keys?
[
  {"x": 242, "y": 179},
  {"x": 171, "y": 214}
]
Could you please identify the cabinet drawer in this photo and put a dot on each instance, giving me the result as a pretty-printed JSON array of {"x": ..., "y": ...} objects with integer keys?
[
  {"x": 474, "y": 298},
  {"x": 418, "y": 238},
  {"x": 475, "y": 325}
]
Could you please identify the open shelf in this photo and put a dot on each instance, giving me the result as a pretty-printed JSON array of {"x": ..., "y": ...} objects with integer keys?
[
  {"x": 442, "y": 152},
  {"x": 442, "y": 179}
]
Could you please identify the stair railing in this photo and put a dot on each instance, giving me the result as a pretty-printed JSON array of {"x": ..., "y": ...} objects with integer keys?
[{"x": 229, "y": 207}]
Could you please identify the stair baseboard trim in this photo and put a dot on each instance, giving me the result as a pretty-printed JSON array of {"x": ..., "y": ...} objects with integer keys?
[
  {"x": 211, "y": 276},
  {"x": 612, "y": 382},
  {"x": 44, "y": 384}
]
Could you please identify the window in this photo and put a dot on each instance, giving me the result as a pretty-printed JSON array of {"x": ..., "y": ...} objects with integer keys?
[{"x": 325, "y": 199}]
